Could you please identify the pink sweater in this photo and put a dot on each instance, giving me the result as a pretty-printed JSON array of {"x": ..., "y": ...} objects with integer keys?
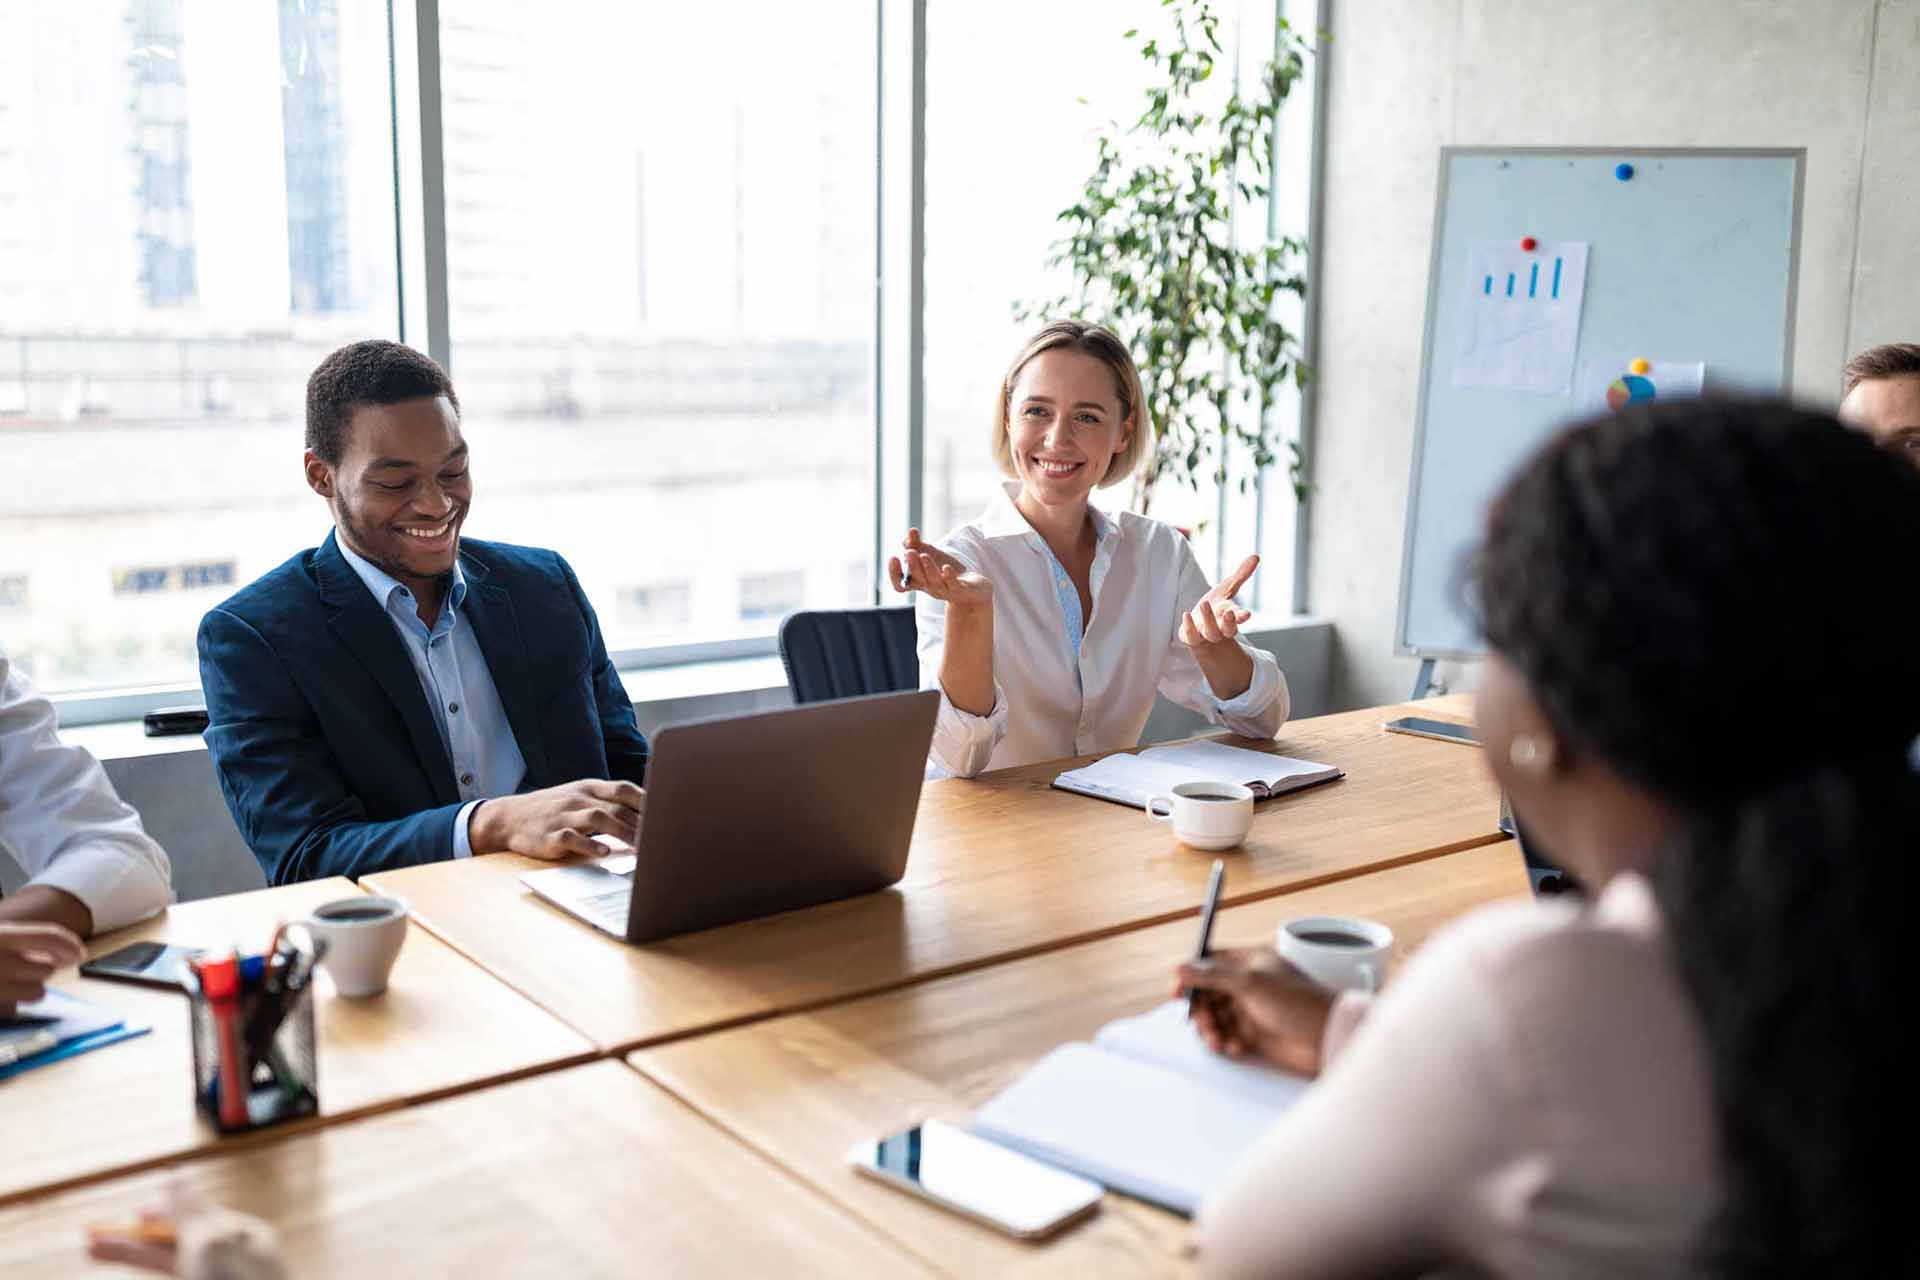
[{"x": 1530, "y": 1098}]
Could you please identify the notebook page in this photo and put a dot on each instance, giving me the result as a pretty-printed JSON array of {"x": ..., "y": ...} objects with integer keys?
[
  {"x": 1164, "y": 1037},
  {"x": 1130, "y": 779},
  {"x": 1221, "y": 763},
  {"x": 1131, "y": 1126}
]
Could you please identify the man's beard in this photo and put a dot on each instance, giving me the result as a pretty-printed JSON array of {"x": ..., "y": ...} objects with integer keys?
[{"x": 355, "y": 534}]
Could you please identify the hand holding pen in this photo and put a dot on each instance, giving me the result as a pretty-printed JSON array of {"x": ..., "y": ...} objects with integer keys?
[{"x": 1251, "y": 1005}]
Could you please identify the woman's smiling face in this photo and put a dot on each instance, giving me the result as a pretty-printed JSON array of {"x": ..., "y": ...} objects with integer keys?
[{"x": 1064, "y": 426}]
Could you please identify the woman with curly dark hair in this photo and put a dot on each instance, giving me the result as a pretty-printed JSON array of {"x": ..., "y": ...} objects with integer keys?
[{"x": 1700, "y": 695}]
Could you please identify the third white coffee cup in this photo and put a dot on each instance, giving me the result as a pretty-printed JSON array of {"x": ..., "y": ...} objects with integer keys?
[
  {"x": 1206, "y": 815},
  {"x": 1337, "y": 953},
  {"x": 363, "y": 937}
]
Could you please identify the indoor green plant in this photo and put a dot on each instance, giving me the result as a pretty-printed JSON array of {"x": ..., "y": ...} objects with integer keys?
[{"x": 1151, "y": 248}]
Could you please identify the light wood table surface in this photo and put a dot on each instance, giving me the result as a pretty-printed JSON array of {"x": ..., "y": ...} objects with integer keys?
[
  {"x": 1001, "y": 866},
  {"x": 804, "y": 1089},
  {"x": 590, "y": 1171},
  {"x": 442, "y": 1024}
]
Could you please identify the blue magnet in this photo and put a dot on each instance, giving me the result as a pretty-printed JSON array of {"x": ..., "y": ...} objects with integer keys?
[{"x": 1623, "y": 171}]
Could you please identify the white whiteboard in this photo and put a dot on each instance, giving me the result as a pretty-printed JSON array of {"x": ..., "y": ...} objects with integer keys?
[{"x": 1694, "y": 258}]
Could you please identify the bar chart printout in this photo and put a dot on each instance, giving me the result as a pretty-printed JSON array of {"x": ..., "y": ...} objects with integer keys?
[{"x": 1520, "y": 326}]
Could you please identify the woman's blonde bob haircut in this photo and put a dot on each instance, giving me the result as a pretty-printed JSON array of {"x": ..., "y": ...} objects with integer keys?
[{"x": 1102, "y": 345}]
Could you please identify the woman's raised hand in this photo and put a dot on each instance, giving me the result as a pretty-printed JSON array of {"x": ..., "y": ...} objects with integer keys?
[
  {"x": 921, "y": 566},
  {"x": 1216, "y": 618}
]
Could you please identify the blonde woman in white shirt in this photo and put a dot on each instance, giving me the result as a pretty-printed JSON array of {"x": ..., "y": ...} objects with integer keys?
[{"x": 1048, "y": 625}]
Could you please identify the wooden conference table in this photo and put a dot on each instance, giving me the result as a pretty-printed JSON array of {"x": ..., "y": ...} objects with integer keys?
[
  {"x": 1001, "y": 866},
  {"x": 443, "y": 1025},
  {"x": 1080, "y": 909},
  {"x": 805, "y": 1089}
]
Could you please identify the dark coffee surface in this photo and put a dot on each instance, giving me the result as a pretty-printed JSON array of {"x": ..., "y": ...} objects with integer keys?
[
  {"x": 355, "y": 914},
  {"x": 1328, "y": 938}
]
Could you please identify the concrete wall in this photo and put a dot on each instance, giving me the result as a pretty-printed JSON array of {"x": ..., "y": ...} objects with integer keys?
[{"x": 1406, "y": 77}]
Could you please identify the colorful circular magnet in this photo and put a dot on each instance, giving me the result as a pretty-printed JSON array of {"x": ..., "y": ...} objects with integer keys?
[
  {"x": 1529, "y": 244},
  {"x": 1641, "y": 366},
  {"x": 1623, "y": 171},
  {"x": 1624, "y": 391}
]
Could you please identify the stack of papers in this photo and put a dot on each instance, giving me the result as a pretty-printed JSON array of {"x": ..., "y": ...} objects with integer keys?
[{"x": 74, "y": 1025}]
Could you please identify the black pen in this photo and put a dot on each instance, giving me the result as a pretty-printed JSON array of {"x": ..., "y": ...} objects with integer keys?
[{"x": 1206, "y": 925}]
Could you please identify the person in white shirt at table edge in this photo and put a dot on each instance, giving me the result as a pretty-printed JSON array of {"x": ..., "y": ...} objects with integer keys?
[
  {"x": 1049, "y": 625},
  {"x": 90, "y": 866}
]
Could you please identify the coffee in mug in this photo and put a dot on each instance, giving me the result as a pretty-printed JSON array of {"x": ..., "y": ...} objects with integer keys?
[
  {"x": 1337, "y": 953},
  {"x": 363, "y": 936},
  {"x": 1206, "y": 815}
]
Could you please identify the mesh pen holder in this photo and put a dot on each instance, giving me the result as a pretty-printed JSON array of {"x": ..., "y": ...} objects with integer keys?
[{"x": 271, "y": 1038}]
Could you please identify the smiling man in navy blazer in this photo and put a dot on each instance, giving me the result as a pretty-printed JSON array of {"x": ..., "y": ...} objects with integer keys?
[{"x": 398, "y": 695}]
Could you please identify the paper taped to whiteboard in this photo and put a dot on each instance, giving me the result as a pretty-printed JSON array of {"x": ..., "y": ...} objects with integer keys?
[
  {"x": 1520, "y": 316},
  {"x": 1609, "y": 383}
]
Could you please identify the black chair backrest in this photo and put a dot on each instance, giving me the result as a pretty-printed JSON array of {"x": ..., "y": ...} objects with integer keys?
[{"x": 844, "y": 653}]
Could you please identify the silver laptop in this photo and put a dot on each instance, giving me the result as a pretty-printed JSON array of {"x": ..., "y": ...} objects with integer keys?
[{"x": 755, "y": 814}]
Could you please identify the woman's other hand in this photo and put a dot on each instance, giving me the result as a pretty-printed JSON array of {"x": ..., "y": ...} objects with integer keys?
[
  {"x": 1216, "y": 619},
  {"x": 921, "y": 566}
]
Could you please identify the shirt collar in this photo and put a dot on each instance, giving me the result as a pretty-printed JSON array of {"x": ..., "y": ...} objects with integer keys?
[
  {"x": 383, "y": 584},
  {"x": 1003, "y": 520}
]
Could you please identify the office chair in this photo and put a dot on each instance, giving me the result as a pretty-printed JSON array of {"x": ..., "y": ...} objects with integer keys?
[
  {"x": 1549, "y": 879},
  {"x": 843, "y": 653}
]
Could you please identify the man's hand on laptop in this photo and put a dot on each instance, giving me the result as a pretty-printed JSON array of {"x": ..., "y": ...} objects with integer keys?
[{"x": 559, "y": 822}]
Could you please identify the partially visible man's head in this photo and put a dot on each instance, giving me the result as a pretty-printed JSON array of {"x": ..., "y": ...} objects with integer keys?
[
  {"x": 1881, "y": 396},
  {"x": 384, "y": 449}
]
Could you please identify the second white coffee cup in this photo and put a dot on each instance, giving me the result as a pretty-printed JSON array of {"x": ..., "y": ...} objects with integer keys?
[
  {"x": 363, "y": 936},
  {"x": 1206, "y": 815},
  {"x": 1337, "y": 953}
]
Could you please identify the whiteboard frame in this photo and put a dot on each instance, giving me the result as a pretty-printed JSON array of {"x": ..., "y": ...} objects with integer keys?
[{"x": 1798, "y": 155}]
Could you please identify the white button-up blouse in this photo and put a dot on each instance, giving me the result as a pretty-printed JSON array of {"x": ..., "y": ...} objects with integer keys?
[
  {"x": 1058, "y": 693},
  {"x": 61, "y": 821}
]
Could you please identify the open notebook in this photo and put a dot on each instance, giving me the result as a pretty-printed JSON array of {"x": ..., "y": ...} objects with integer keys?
[
  {"x": 1135, "y": 779},
  {"x": 1146, "y": 1109}
]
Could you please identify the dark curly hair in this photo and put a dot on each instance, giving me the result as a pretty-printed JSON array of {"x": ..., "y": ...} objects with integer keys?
[
  {"x": 1717, "y": 599},
  {"x": 361, "y": 373}
]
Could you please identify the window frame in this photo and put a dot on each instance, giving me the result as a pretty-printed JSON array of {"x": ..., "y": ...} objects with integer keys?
[{"x": 897, "y": 391}]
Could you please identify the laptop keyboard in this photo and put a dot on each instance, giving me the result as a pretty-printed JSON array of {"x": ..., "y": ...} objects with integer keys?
[{"x": 608, "y": 910}]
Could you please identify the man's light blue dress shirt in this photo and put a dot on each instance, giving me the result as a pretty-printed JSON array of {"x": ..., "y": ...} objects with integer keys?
[{"x": 453, "y": 674}]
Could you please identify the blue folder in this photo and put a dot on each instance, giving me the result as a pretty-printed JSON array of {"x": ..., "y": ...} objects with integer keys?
[{"x": 81, "y": 1027}]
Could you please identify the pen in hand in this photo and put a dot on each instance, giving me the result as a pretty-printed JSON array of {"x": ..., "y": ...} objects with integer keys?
[{"x": 1205, "y": 945}]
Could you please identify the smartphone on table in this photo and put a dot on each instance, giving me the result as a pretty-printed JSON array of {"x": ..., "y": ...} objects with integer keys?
[
  {"x": 152, "y": 964},
  {"x": 978, "y": 1179},
  {"x": 1445, "y": 730}
]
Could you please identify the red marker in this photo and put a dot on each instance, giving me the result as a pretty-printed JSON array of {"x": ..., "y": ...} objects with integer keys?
[
  {"x": 1529, "y": 244},
  {"x": 220, "y": 984}
]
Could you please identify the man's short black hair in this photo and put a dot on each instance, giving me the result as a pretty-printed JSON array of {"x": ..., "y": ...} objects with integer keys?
[{"x": 361, "y": 373}]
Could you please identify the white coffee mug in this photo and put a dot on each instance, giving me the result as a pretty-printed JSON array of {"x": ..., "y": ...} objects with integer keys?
[
  {"x": 363, "y": 936},
  {"x": 1206, "y": 815},
  {"x": 1337, "y": 953}
]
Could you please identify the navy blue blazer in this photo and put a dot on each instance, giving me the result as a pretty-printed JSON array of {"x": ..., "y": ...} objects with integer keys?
[{"x": 321, "y": 736}]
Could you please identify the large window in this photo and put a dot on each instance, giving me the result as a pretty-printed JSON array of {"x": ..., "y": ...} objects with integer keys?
[
  {"x": 196, "y": 204},
  {"x": 660, "y": 248},
  {"x": 659, "y": 231}
]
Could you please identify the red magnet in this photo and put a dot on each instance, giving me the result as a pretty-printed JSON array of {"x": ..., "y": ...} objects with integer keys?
[{"x": 1529, "y": 244}]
